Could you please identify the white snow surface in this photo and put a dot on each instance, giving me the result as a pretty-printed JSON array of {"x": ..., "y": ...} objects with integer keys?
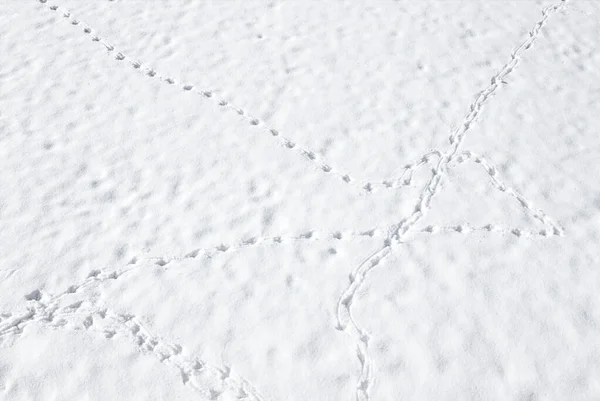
[{"x": 290, "y": 200}]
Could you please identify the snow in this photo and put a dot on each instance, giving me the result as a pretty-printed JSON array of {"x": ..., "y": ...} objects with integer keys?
[{"x": 284, "y": 201}]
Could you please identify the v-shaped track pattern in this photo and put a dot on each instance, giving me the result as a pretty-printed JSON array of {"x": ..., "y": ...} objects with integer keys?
[{"x": 71, "y": 306}]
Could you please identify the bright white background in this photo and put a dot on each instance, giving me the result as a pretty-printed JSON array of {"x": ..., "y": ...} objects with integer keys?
[{"x": 105, "y": 168}]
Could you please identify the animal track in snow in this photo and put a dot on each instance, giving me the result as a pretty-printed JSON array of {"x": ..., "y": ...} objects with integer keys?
[
  {"x": 56, "y": 311},
  {"x": 345, "y": 319},
  {"x": 309, "y": 155},
  {"x": 85, "y": 315}
]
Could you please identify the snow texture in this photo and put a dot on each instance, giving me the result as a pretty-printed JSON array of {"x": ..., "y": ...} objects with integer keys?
[{"x": 285, "y": 200}]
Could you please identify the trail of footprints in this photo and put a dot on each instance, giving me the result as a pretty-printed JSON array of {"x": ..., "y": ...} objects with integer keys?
[
  {"x": 345, "y": 319},
  {"x": 82, "y": 314},
  {"x": 308, "y": 154},
  {"x": 213, "y": 383}
]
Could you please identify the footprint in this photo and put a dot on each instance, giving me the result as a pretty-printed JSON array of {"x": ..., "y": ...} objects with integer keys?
[
  {"x": 222, "y": 248},
  {"x": 94, "y": 273},
  {"x": 214, "y": 394},
  {"x": 75, "y": 305},
  {"x": 307, "y": 235},
  {"x": 87, "y": 323},
  {"x": 35, "y": 295}
]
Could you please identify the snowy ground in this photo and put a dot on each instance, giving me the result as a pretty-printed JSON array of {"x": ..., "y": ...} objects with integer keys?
[{"x": 254, "y": 200}]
